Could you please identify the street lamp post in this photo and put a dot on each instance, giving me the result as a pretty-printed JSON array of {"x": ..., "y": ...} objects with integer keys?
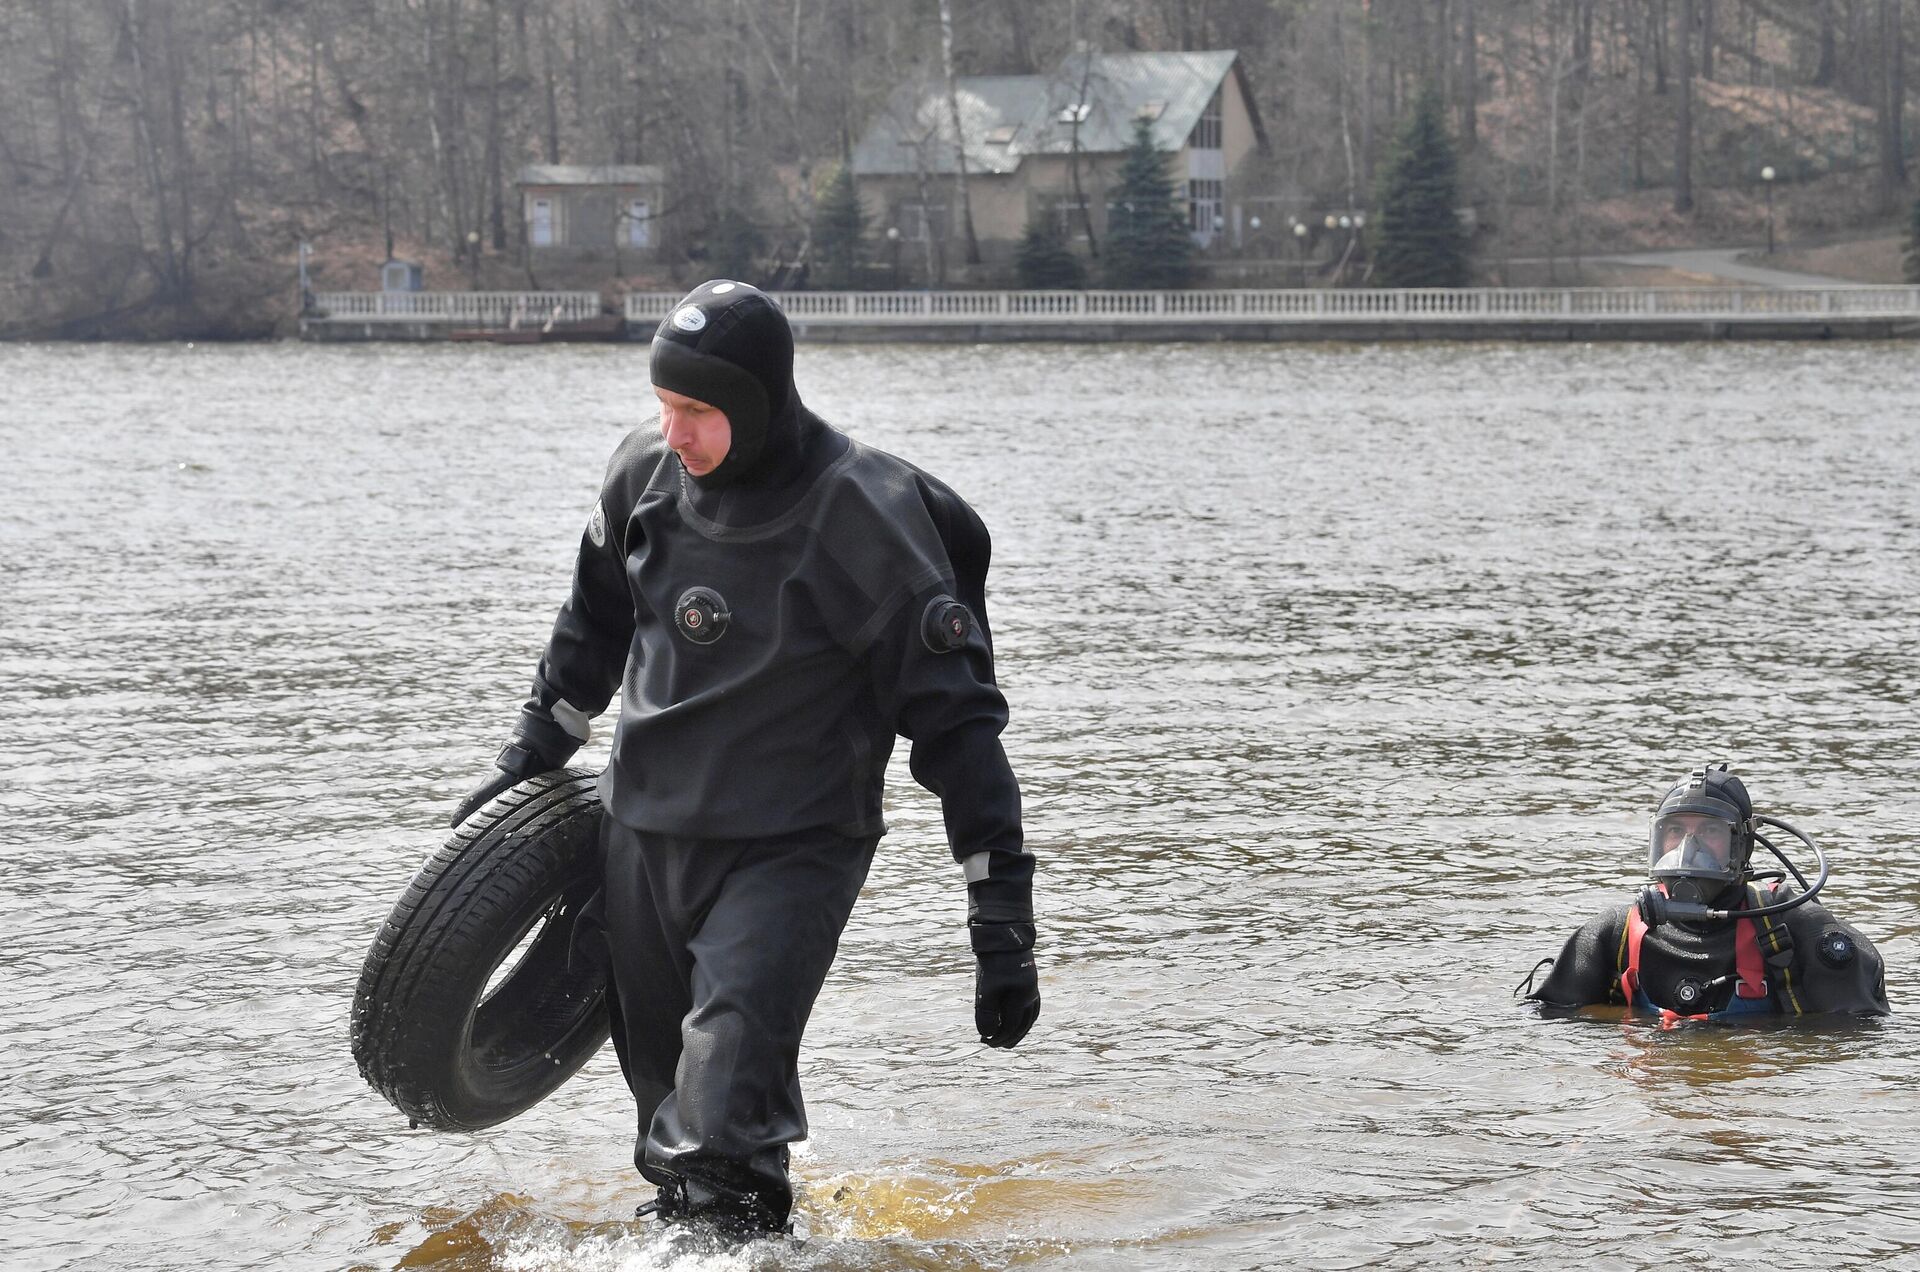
[
  {"x": 1766, "y": 179},
  {"x": 1300, "y": 249},
  {"x": 893, "y": 244},
  {"x": 473, "y": 257}
]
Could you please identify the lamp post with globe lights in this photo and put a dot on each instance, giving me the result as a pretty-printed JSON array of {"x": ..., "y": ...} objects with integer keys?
[
  {"x": 1300, "y": 249},
  {"x": 1766, "y": 179}
]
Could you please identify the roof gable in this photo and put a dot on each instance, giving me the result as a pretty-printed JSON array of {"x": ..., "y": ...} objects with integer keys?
[
  {"x": 1005, "y": 118},
  {"x": 1171, "y": 89}
]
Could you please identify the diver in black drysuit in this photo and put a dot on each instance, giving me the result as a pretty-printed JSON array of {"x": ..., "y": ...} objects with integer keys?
[
  {"x": 772, "y": 625},
  {"x": 1801, "y": 961}
]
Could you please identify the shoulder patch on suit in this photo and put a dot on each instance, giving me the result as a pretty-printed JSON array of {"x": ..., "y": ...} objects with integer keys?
[{"x": 597, "y": 526}]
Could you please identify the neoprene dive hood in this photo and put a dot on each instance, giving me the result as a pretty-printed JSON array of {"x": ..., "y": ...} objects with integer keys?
[
  {"x": 1700, "y": 853},
  {"x": 727, "y": 344}
]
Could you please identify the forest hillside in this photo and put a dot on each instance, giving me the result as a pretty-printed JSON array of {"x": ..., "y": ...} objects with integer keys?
[{"x": 161, "y": 161}]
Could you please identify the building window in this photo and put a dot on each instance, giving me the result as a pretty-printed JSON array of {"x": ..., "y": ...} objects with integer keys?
[
  {"x": 639, "y": 224},
  {"x": 1065, "y": 213},
  {"x": 919, "y": 222},
  {"x": 540, "y": 233},
  {"x": 1206, "y": 202},
  {"x": 1206, "y": 130}
]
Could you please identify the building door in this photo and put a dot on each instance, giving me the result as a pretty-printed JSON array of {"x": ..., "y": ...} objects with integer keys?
[
  {"x": 639, "y": 223},
  {"x": 540, "y": 233}
]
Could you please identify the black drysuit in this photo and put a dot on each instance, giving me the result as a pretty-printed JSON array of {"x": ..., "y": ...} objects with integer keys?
[
  {"x": 1814, "y": 964},
  {"x": 771, "y": 631}
]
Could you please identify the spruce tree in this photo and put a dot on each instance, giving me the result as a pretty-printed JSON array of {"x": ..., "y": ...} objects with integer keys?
[
  {"x": 1147, "y": 240},
  {"x": 1045, "y": 261},
  {"x": 1913, "y": 246},
  {"x": 838, "y": 221},
  {"x": 1420, "y": 242}
]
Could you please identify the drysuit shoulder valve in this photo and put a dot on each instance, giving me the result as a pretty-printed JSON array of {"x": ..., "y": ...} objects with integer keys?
[{"x": 945, "y": 624}]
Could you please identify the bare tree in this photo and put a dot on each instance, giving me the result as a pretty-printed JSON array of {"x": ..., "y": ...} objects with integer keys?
[
  {"x": 961, "y": 197},
  {"x": 1889, "y": 102},
  {"x": 1470, "y": 87},
  {"x": 1683, "y": 116},
  {"x": 1077, "y": 114}
]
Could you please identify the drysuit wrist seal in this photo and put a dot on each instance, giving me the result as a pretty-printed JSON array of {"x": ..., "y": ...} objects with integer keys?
[
  {"x": 520, "y": 761},
  {"x": 1000, "y": 938},
  {"x": 1000, "y": 901}
]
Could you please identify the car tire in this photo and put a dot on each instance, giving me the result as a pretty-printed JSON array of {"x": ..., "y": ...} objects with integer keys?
[{"x": 439, "y": 1029}]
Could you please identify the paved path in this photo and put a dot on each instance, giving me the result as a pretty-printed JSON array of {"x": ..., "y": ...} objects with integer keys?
[{"x": 1721, "y": 263}]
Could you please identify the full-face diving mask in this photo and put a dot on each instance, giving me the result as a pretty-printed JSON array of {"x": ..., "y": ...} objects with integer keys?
[
  {"x": 1701, "y": 848},
  {"x": 1699, "y": 845}
]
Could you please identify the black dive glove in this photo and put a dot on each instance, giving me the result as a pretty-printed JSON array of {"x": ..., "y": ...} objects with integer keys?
[
  {"x": 1006, "y": 984},
  {"x": 516, "y": 764}
]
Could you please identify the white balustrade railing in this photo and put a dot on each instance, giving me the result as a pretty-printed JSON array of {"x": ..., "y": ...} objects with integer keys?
[
  {"x": 472, "y": 309},
  {"x": 917, "y": 308},
  {"x": 1420, "y": 305}
]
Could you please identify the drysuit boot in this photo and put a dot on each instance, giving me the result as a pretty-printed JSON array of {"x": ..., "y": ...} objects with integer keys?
[{"x": 719, "y": 948}]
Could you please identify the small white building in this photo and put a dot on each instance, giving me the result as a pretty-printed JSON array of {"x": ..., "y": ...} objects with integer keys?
[{"x": 582, "y": 211}]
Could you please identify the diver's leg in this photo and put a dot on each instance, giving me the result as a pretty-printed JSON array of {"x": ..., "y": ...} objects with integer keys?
[
  {"x": 760, "y": 956},
  {"x": 651, "y": 967}
]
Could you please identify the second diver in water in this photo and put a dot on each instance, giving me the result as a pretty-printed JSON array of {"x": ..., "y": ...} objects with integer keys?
[{"x": 1711, "y": 937}]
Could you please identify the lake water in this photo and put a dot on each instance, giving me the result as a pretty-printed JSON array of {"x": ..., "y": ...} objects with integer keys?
[{"x": 1343, "y": 681}]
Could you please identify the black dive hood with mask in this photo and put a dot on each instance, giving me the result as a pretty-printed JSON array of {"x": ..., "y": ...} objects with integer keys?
[
  {"x": 1700, "y": 852},
  {"x": 728, "y": 345}
]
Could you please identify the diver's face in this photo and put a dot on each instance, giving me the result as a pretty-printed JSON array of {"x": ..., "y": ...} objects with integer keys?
[
  {"x": 1710, "y": 836},
  {"x": 700, "y": 434}
]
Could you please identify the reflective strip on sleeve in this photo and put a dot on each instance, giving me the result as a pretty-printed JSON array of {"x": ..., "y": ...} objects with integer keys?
[
  {"x": 975, "y": 867},
  {"x": 573, "y": 720}
]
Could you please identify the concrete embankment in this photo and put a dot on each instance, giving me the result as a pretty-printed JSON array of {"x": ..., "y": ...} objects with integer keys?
[{"x": 1669, "y": 330}]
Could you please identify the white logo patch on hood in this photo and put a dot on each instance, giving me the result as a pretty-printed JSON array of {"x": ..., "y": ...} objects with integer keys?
[{"x": 689, "y": 318}]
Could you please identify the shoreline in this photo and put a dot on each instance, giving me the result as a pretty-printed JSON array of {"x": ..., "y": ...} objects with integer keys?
[{"x": 1454, "y": 330}]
